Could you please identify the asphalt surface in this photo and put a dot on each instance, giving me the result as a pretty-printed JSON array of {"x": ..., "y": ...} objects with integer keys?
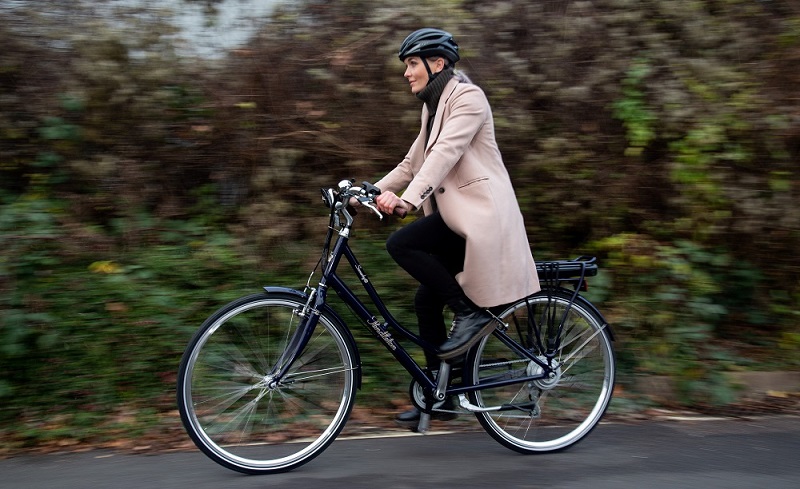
[{"x": 762, "y": 452}]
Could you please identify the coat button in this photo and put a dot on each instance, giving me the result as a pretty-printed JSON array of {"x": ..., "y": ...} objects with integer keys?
[{"x": 441, "y": 190}]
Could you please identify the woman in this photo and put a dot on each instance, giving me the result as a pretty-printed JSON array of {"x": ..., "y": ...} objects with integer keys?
[{"x": 470, "y": 251}]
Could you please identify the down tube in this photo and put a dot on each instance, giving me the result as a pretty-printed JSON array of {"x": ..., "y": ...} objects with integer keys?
[
  {"x": 378, "y": 329},
  {"x": 382, "y": 310}
]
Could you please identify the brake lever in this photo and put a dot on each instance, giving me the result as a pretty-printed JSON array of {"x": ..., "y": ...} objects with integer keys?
[{"x": 365, "y": 201}]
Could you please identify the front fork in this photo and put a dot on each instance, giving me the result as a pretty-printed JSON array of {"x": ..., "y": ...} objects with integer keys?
[{"x": 309, "y": 316}]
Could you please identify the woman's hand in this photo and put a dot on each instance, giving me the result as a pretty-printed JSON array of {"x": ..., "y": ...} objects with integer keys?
[{"x": 388, "y": 201}]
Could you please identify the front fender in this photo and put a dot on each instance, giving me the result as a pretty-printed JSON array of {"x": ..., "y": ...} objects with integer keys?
[{"x": 331, "y": 314}]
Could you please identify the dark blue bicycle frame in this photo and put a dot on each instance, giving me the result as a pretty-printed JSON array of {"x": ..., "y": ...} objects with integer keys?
[{"x": 316, "y": 303}]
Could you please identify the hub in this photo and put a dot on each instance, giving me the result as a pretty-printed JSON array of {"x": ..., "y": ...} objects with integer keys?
[{"x": 546, "y": 383}]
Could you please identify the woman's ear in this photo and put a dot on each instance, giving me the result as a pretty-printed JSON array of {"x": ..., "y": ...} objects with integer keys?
[{"x": 438, "y": 65}]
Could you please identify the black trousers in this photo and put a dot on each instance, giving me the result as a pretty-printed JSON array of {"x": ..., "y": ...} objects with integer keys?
[{"x": 433, "y": 254}]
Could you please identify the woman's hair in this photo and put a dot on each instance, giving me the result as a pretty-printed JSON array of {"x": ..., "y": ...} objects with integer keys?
[{"x": 462, "y": 77}]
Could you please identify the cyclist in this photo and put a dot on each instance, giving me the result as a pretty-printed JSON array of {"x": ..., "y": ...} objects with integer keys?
[{"x": 470, "y": 251}]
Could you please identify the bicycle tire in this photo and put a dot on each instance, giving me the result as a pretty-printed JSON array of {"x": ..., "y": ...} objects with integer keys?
[
  {"x": 227, "y": 403},
  {"x": 552, "y": 414}
]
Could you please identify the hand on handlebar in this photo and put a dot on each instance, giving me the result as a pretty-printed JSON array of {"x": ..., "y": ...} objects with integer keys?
[
  {"x": 370, "y": 196},
  {"x": 390, "y": 203}
]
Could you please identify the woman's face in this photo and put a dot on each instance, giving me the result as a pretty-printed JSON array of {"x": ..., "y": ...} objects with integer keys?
[{"x": 417, "y": 75}]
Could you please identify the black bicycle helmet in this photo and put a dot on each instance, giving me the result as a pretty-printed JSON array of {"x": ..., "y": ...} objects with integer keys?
[{"x": 428, "y": 42}]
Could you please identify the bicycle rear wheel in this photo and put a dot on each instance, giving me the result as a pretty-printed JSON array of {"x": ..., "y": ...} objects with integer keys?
[
  {"x": 555, "y": 412},
  {"x": 233, "y": 409}
]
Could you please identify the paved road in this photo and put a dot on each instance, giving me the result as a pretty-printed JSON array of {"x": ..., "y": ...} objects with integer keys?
[{"x": 726, "y": 454}]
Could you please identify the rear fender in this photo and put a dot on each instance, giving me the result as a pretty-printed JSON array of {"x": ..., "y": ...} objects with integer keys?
[
  {"x": 588, "y": 305},
  {"x": 585, "y": 304}
]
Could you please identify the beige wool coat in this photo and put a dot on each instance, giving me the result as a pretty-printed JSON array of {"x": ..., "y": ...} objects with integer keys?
[{"x": 461, "y": 165}]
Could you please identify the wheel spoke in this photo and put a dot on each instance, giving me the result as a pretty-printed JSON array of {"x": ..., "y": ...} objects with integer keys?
[
  {"x": 566, "y": 403},
  {"x": 234, "y": 408}
]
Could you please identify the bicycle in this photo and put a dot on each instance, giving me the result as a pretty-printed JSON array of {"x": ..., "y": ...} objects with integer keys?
[{"x": 269, "y": 380}]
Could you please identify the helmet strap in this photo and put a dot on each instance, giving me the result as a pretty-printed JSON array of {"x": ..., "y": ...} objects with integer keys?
[{"x": 431, "y": 75}]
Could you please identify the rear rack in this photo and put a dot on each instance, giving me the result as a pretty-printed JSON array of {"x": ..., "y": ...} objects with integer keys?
[{"x": 575, "y": 270}]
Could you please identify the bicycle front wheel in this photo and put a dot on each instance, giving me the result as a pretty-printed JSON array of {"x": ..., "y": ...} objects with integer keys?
[
  {"x": 556, "y": 411},
  {"x": 237, "y": 413}
]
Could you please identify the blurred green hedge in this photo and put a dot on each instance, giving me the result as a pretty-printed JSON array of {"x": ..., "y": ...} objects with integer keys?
[{"x": 141, "y": 189}]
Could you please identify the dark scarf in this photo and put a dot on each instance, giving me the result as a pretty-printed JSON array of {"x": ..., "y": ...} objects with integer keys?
[{"x": 433, "y": 92}]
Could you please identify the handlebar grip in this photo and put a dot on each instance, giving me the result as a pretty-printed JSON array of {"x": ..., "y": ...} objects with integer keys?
[{"x": 401, "y": 213}]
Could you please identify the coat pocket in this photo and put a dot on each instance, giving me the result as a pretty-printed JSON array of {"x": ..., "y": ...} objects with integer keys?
[{"x": 472, "y": 182}]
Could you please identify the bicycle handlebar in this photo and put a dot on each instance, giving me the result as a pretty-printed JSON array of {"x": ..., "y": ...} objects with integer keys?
[{"x": 338, "y": 199}]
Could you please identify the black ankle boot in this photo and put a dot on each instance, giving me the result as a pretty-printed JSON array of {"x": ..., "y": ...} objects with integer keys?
[{"x": 469, "y": 326}]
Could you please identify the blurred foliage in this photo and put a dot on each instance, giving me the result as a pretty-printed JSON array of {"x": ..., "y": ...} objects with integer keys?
[{"x": 141, "y": 189}]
